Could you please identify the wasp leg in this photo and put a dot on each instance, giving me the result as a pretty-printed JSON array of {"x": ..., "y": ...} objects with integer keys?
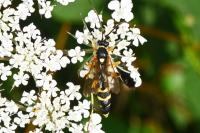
[{"x": 92, "y": 103}]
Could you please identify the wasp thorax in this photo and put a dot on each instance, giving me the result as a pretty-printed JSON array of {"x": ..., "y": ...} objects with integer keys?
[
  {"x": 102, "y": 43},
  {"x": 102, "y": 54}
]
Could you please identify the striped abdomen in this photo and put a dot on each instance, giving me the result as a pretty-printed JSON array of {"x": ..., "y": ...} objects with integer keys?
[{"x": 104, "y": 97}]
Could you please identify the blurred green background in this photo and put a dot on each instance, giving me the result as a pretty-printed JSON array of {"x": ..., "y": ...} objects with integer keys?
[{"x": 169, "y": 99}]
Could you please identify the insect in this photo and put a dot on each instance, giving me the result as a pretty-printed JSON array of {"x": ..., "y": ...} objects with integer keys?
[
  {"x": 105, "y": 72},
  {"x": 104, "y": 76}
]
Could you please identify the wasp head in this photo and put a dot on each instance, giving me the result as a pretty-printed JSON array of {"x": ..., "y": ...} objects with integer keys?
[{"x": 102, "y": 55}]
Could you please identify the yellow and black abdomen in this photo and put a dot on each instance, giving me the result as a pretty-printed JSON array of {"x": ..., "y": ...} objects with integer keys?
[{"x": 104, "y": 98}]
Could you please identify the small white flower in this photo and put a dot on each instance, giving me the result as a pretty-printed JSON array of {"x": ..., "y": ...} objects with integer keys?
[
  {"x": 56, "y": 62},
  {"x": 123, "y": 29},
  {"x": 36, "y": 130},
  {"x": 2, "y": 100},
  {"x": 5, "y": 3},
  {"x": 64, "y": 98},
  {"x": 7, "y": 14},
  {"x": 6, "y": 46},
  {"x": 46, "y": 9},
  {"x": 16, "y": 60},
  {"x": 136, "y": 37},
  {"x": 49, "y": 45},
  {"x": 22, "y": 119},
  {"x": 136, "y": 77},
  {"x": 83, "y": 108},
  {"x": 29, "y": 4},
  {"x": 76, "y": 54},
  {"x": 11, "y": 107},
  {"x": 94, "y": 19},
  {"x": 31, "y": 31},
  {"x": 21, "y": 38},
  {"x": 73, "y": 91},
  {"x": 74, "y": 116},
  {"x": 65, "y": 2},
  {"x": 20, "y": 78},
  {"x": 122, "y": 10},
  {"x": 22, "y": 12},
  {"x": 109, "y": 27},
  {"x": 4, "y": 26},
  {"x": 122, "y": 45},
  {"x": 43, "y": 79},
  {"x": 5, "y": 71},
  {"x": 128, "y": 57},
  {"x": 9, "y": 128},
  {"x": 28, "y": 98},
  {"x": 51, "y": 88},
  {"x": 14, "y": 24},
  {"x": 97, "y": 34},
  {"x": 41, "y": 117},
  {"x": 76, "y": 128},
  {"x": 94, "y": 126},
  {"x": 83, "y": 37}
]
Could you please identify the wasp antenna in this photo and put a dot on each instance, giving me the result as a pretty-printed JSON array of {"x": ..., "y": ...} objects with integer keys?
[
  {"x": 93, "y": 7},
  {"x": 114, "y": 28},
  {"x": 101, "y": 27},
  {"x": 85, "y": 25}
]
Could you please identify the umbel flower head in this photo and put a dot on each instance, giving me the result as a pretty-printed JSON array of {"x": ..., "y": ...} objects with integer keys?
[
  {"x": 119, "y": 35},
  {"x": 25, "y": 51},
  {"x": 23, "y": 47}
]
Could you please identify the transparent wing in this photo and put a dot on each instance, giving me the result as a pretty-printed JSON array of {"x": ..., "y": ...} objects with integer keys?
[
  {"x": 87, "y": 88},
  {"x": 91, "y": 79}
]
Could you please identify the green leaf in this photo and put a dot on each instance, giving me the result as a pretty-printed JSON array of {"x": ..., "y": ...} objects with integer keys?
[
  {"x": 76, "y": 11},
  {"x": 114, "y": 124},
  {"x": 190, "y": 16},
  {"x": 192, "y": 91}
]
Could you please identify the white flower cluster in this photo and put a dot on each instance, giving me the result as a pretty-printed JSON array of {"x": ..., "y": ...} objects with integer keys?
[
  {"x": 122, "y": 10},
  {"x": 7, "y": 110},
  {"x": 47, "y": 113},
  {"x": 56, "y": 114},
  {"x": 26, "y": 7},
  {"x": 118, "y": 33},
  {"x": 31, "y": 54},
  {"x": 25, "y": 53},
  {"x": 24, "y": 48}
]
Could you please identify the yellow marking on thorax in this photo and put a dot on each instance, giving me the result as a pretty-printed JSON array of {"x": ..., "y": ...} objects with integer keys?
[
  {"x": 105, "y": 90},
  {"x": 104, "y": 99}
]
